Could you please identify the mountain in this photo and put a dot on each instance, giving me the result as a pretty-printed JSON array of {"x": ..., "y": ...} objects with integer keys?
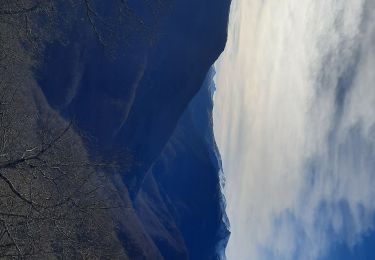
[
  {"x": 144, "y": 96},
  {"x": 186, "y": 176}
]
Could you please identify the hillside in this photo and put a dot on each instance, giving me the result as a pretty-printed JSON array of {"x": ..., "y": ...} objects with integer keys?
[{"x": 108, "y": 151}]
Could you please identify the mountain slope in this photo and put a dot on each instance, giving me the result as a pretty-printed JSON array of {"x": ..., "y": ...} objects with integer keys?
[{"x": 129, "y": 99}]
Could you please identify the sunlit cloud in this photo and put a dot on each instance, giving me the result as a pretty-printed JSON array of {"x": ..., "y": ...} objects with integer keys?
[{"x": 294, "y": 119}]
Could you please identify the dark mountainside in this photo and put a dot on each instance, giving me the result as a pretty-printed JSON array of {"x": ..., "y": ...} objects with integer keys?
[
  {"x": 136, "y": 100},
  {"x": 186, "y": 175},
  {"x": 142, "y": 96}
]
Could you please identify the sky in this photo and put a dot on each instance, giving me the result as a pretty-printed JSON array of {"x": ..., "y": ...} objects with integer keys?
[{"x": 294, "y": 120}]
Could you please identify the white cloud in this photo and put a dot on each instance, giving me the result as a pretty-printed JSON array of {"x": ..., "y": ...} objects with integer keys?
[{"x": 294, "y": 119}]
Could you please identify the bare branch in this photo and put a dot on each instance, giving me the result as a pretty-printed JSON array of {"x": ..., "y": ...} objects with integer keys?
[{"x": 14, "y": 190}]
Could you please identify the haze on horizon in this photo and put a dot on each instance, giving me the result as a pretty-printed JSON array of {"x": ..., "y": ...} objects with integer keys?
[{"x": 294, "y": 120}]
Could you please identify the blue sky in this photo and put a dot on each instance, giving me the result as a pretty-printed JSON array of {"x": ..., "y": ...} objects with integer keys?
[
  {"x": 294, "y": 119},
  {"x": 363, "y": 250}
]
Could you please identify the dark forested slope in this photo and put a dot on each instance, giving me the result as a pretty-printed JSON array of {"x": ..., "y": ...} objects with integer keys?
[{"x": 124, "y": 72}]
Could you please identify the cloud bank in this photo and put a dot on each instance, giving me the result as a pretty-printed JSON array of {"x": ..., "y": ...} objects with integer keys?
[{"x": 294, "y": 119}]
